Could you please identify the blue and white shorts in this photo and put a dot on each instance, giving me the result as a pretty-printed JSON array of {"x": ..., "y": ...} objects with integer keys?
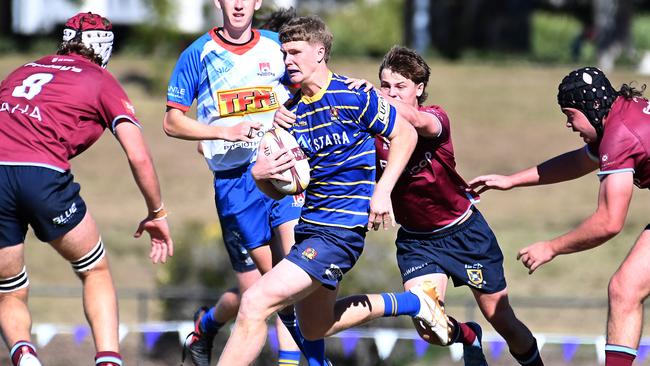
[
  {"x": 247, "y": 216},
  {"x": 325, "y": 252}
]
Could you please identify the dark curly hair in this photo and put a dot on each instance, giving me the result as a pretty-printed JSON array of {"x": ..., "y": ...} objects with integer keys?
[
  {"x": 628, "y": 91},
  {"x": 78, "y": 48}
]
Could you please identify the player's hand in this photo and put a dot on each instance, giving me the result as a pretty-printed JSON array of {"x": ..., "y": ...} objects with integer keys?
[
  {"x": 359, "y": 83},
  {"x": 535, "y": 255},
  {"x": 381, "y": 211},
  {"x": 162, "y": 245},
  {"x": 490, "y": 181},
  {"x": 283, "y": 118},
  {"x": 269, "y": 166},
  {"x": 245, "y": 131}
]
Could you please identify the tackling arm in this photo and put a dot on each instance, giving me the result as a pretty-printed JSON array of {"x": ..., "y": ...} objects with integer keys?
[
  {"x": 426, "y": 124},
  {"x": 568, "y": 166},
  {"x": 613, "y": 203}
]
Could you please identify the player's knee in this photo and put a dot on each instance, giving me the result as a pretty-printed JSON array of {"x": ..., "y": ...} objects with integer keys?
[
  {"x": 253, "y": 306},
  {"x": 16, "y": 285},
  {"x": 618, "y": 290},
  {"x": 91, "y": 261}
]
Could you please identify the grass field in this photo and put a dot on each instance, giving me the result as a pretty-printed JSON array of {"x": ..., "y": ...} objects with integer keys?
[{"x": 504, "y": 118}]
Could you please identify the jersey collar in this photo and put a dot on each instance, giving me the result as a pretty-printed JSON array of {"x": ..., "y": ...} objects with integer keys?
[
  {"x": 318, "y": 96},
  {"x": 238, "y": 49}
]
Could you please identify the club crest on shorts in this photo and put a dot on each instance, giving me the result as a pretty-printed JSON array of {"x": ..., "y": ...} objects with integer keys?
[
  {"x": 475, "y": 275},
  {"x": 309, "y": 254},
  {"x": 334, "y": 273}
]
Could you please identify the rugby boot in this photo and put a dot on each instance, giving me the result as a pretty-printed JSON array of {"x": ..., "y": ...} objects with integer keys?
[
  {"x": 29, "y": 360},
  {"x": 432, "y": 313},
  {"x": 199, "y": 343},
  {"x": 473, "y": 353}
]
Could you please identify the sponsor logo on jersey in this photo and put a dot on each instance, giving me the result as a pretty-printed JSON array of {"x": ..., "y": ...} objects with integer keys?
[
  {"x": 334, "y": 114},
  {"x": 322, "y": 141},
  {"x": 62, "y": 59},
  {"x": 298, "y": 200},
  {"x": 383, "y": 110},
  {"x": 238, "y": 102},
  {"x": 128, "y": 106},
  {"x": 334, "y": 273},
  {"x": 309, "y": 254},
  {"x": 58, "y": 67},
  {"x": 265, "y": 69},
  {"x": 175, "y": 92}
]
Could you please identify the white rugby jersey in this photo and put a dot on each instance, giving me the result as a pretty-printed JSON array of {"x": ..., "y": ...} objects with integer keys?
[{"x": 231, "y": 83}]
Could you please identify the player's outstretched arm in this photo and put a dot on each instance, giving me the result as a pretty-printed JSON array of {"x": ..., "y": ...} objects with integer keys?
[
  {"x": 568, "y": 166},
  {"x": 177, "y": 124},
  {"x": 402, "y": 141},
  {"x": 608, "y": 220},
  {"x": 144, "y": 173}
]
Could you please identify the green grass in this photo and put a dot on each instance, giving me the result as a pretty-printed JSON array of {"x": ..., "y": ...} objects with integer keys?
[{"x": 504, "y": 118}]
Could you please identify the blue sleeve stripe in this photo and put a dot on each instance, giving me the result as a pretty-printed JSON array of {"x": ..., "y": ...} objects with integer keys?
[
  {"x": 357, "y": 213},
  {"x": 343, "y": 91},
  {"x": 322, "y": 183},
  {"x": 624, "y": 170},
  {"x": 330, "y": 224},
  {"x": 341, "y": 196},
  {"x": 345, "y": 161}
]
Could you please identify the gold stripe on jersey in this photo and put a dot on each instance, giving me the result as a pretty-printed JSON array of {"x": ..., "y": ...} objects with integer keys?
[
  {"x": 358, "y": 213},
  {"x": 313, "y": 128},
  {"x": 365, "y": 108},
  {"x": 341, "y": 196},
  {"x": 330, "y": 224},
  {"x": 326, "y": 108},
  {"x": 344, "y": 183},
  {"x": 344, "y": 161}
]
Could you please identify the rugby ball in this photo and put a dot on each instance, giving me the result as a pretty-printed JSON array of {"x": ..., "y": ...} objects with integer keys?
[{"x": 276, "y": 139}]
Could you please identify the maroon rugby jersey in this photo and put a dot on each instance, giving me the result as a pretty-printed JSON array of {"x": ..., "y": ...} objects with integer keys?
[
  {"x": 429, "y": 194},
  {"x": 625, "y": 145},
  {"x": 54, "y": 108}
]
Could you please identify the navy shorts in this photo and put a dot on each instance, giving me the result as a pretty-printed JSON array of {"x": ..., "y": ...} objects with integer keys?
[
  {"x": 45, "y": 199},
  {"x": 247, "y": 216},
  {"x": 468, "y": 253},
  {"x": 325, "y": 252}
]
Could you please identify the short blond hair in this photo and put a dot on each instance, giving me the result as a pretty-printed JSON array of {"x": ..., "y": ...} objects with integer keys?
[{"x": 309, "y": 29}]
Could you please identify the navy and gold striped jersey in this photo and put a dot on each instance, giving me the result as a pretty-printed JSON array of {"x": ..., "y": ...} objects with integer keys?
[{"x": 336, "y": 129}]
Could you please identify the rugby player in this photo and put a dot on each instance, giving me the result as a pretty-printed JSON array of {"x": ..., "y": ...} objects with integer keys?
[
  {"x": 51, "y": 110},
  {"x": 615, "y": 125},
  {"x": 236, "y": 75}
]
